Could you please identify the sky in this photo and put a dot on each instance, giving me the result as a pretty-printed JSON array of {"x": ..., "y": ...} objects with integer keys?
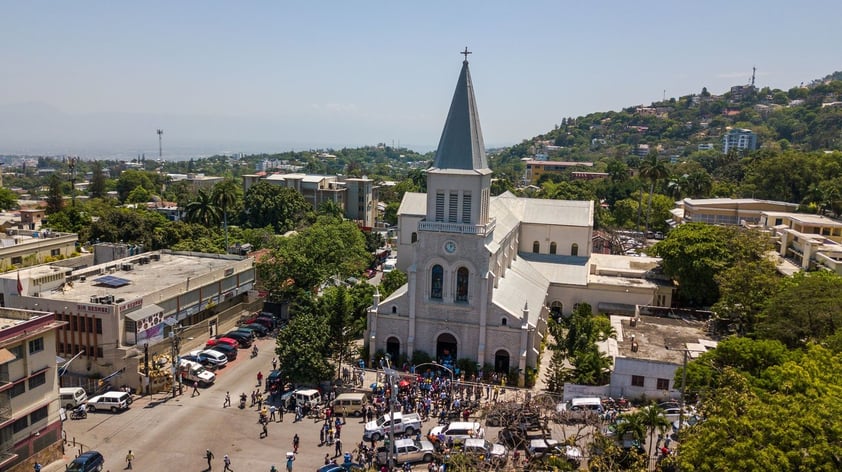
[{"x": 98, "y": 78}]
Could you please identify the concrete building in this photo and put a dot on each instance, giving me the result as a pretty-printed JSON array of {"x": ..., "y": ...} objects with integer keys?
[
  {"x": 725, "y": 211},
  {"x": 536, "y": 168},
  {"x": 810, "y": 242},
  {"x": 739, "y": 139},
  {"x": 30, "y": 427},
  {"x": 115, "y": 308},
  {"x": 24, "y": 247},
  {"x": 356, "y": 196},
  {"x": 485, "y": 273}
]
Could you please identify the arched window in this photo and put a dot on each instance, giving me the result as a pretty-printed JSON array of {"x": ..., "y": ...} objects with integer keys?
[
  {"x": 504, "y": 322},
  {"x": 536, "y": 247},
  {"x": 553, "y": 247},
  {"x": 574, "y": 250},
  {"x": 556, "y": 309},
  {"x": 462, "y": 284},
  {"x": 394, "y": 309},
  {"x": 414, "y": 237},
  {"x": 436, "y": 281}
]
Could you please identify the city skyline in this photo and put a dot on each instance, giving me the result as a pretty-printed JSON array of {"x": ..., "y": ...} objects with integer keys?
[{"x": 98, "y": 79}]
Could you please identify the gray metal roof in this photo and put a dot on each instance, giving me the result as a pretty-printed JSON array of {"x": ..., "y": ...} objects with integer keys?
[{"x": 461, "y": 145}]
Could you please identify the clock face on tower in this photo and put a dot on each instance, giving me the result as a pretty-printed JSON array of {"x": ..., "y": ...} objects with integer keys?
[{"x": 450, "y": 247}]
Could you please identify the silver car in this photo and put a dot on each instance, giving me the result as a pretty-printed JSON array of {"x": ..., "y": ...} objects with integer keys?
[
  {"x": 408, "y": 450},
  {"x": 497, "y": 454}
]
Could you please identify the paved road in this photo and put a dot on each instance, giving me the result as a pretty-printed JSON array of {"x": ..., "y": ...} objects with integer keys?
[{"x": 167, "y": 434}]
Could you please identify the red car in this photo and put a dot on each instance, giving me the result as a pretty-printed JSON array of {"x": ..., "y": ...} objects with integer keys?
[{"x": 214, "y": 341}]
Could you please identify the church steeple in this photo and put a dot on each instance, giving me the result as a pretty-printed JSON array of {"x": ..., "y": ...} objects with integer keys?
[{"x": 461, "y": 146}]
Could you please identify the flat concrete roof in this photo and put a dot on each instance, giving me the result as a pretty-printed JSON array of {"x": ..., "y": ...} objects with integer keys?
[
  {"x": 661, "y": 339},
  {"x": 143, "y": 279}
]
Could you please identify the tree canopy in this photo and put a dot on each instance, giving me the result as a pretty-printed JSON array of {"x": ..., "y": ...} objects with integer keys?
[{"x": 266, "y": 204}]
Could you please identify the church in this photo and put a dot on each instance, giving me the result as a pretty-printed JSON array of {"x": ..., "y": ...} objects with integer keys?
[{"x": 484, "y": 273}]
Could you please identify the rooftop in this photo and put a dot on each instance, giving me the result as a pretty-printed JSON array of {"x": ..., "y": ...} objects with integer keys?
[{"x": 661, "y": 339}]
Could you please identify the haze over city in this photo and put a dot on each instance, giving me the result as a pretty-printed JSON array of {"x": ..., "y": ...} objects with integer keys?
[{"x": 97, "y": 79}]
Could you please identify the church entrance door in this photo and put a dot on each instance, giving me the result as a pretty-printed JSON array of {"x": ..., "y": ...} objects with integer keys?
[
  {"x": 446, "y": 350},
  {"x": 393, "y": 348},
  {"x": 501, "y": 362}
]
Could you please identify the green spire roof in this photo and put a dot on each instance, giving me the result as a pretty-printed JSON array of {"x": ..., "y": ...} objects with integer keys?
[{"x": 461, "y": 145}]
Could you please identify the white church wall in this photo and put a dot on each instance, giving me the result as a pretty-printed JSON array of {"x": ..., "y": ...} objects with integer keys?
[{"x": 563, "y": 236}]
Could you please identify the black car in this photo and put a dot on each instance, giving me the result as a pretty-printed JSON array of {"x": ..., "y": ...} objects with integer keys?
[
  {"x": 258, "y": 328},
  {"x": 275, "y": 380},
  {"x": 90, "y": 461},
  {"x": 229, "y": 351},
  {"x": 239, "y": 336}
]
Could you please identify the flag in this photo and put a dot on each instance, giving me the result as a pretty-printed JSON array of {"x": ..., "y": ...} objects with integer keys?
[{"x": 20, "y": 286}]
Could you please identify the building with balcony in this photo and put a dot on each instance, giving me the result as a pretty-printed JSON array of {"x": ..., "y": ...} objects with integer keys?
[
  {"x": 24, "y": 247},
  {"x": 535, "y": 169},
  {"x": 809, "y": 242},
  {"x": 30, "y": 427},
  {"x": 484, "y": 273},
  {"x": 114, "y": 309},
  {"x": 725, "y": 211}
]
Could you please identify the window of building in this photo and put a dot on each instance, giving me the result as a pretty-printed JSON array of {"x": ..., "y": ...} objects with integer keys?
[
  {"x": 553, "y": 247},
  {"x": 414, "y": 237},
  {"x": 99, "y": 352},
  {"x": 17, "y": 351},
  {"x": 536, "y": 247},
  {"x": 466, "y": 207},
  {"x": 36, "y": 345},
  {"x": 394, "y": 309},
  {"x": 20, "y": 424},
  {"x": 99, "y": 326},
  {"x": 439, "y": 206},
  {"x": 462, "y": 284},
  {"x": 17, "y": 389},
  {"x": 38, "y": 415},
  {"x": 504, "y": 322},
  {"x": 55, "y": 252},
  {"x": 436, "y": 281},
  {"x": 637, "y": 381},
  {"x": 18, "y": 260},
  {"x": 574, "y": 250},
  {"x": 453, "y": 207},
  {"x": 37, "y": 380},
  {"x": 663, "y": 384}
]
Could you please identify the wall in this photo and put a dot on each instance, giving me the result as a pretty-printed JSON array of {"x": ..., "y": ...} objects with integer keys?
[{"x": 651, "y": 370}]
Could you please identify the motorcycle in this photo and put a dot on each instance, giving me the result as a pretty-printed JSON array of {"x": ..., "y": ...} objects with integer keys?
[
  {"x": 79, "y": 413},
  {"x": 254, "y": 352},
  {"x": 243, "y": 401}
]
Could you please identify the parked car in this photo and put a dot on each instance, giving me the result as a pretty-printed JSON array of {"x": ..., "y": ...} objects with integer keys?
[
  {"x": 114, "y": 401},
  {"x": 258, "y": 329},
  {"x": 496, "y": 454},
  {"x": 268, "y": 322},
  {"x": 229, "y": 351},
  {"x": 243, "y": 339},
  {"x": 222, "y": 340},
  {"x": 90, "y": 461},
  {"x": 193, "y": 358},
  {"x": 252, "y": 334},
  {"x": 209, "y": 357},
  {"x": 407, "y": 450},
  {"x": 275, "y": 380}
]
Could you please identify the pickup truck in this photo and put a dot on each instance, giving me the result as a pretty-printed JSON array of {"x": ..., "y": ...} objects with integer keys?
[
  {"x": 195, "y": 372},
  {"x": 405, "y": 423}
]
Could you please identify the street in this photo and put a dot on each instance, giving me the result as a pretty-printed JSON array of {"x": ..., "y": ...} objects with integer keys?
[{"x": 172, "y": 434}]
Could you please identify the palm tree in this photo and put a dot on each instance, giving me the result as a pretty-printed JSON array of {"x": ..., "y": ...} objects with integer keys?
[
  {"x": 632, "y": 427},
  {"x": 653, "y": 417},
  {"x": 653, "y": 170},
  {"x": 225, "y": 196},
  {"x": 202, "y": 210}
]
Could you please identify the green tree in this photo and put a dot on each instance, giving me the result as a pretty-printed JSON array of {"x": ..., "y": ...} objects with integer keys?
[
  {"x": 97, "y": 187},
  {"x": 226, "y": 196},
  {"x": 302, "y": 349},
  {"x": 653, "y": 170},
  {"x": 337, "y": 306},
  {"x": 392, "y": 281},
  {"x": 744, "y": 291},
  {"x": 138, "y": 195},
  {"x": 655, "y": 421},
  {"x": 55, "y": 195},
  {"x": 267, "y": 204},
  {"x": 131, "y": 179},
  {"x": 8, "y": 199},
  {"x": 203, "y": 210}
]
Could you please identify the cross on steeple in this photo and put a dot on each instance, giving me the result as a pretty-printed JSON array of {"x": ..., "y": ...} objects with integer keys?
[{"x": 465, "y": 53}]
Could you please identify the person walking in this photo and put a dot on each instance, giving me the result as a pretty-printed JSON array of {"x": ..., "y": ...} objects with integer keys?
[
  {"x": 338, "y": 450},
  {"x": 37, "y": 467},
  {"x": 129, "y": 459},
  {"x": 227, "y": 461},
  {"x": 227, "y": 402},
  {"x": 259, "y": 378},
  {"x": 281, "y": 413},
  {"x": 195, "y": 389},
  {"x": 274, "y": 363},
  {"x": 295, "y": 441},
  {"x": 209, "y": 457},
  {"x": 272, "y": 412},
  {"x": 290, "y": 460}
]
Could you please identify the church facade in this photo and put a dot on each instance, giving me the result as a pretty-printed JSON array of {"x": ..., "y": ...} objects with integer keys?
[{"x": 484, "y": 273}]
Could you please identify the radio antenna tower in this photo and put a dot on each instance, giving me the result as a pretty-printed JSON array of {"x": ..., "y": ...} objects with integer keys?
[
  {"x": 753, "y": 70},
  {"x": 160, "y": 153}
]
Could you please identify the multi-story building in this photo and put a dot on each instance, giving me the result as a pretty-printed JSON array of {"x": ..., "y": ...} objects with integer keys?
[
  {"x": 356, "y": 196},
  {"x": 117, "y": 307},
  {"x": 24, "y": 247},
  {"x": 739, "y": 139},
  {"x": 535, "y": 169},
  {"x": 811, "y": 242},
  {"x": 725, "y": 211},
  {"x": 30, "y": 427}
]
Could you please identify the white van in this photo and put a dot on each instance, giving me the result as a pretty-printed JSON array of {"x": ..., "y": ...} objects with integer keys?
[
  {"x": 71, "y": 397},
  {"x": 458, "y": 431},
  {"x": 350, "y": 404},
  {"x": 389, "y": 265},
  {"x": 580, "y": 409},
  {"x": 304, "y": 397}
]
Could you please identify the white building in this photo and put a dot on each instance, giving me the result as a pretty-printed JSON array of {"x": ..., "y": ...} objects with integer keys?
[
  {"x": 739, "y": 139},
  {"x": 484, "y": 273}
]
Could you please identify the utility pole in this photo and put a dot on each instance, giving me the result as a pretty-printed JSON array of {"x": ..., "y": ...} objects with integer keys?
[
  {"x": 683, "y": 386},
  {"x": 390, "y": 376},
  {"x": 176, "y": 343},
  {"x": 71, "y": 162},
  {"x": 160, "y": 149}
]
